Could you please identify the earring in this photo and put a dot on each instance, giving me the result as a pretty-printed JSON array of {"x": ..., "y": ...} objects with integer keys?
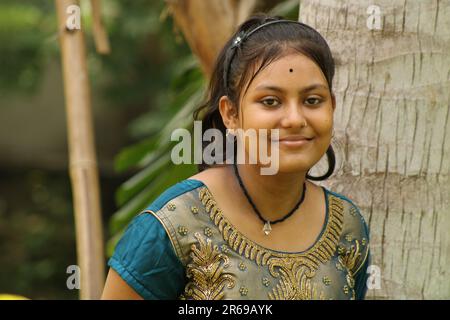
[{"x": 230, "y": 132}]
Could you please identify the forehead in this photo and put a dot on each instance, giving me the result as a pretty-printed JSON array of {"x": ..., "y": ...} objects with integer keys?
[{"x": 304, "y": 72}]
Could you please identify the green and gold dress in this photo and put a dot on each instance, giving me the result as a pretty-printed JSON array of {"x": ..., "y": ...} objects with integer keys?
[{"x": 183, "y": 247}]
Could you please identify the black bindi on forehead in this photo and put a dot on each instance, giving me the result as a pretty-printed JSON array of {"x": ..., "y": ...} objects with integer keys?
[{"x": 291, "y": 70}]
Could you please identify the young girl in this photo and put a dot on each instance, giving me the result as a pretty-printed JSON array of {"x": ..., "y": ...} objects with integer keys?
[{"x": 230, "y": 232}]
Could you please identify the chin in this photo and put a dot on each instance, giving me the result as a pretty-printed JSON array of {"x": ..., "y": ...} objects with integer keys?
[
  {"x": 291, "y": 161},
  {"x": 294, "y": 164}
]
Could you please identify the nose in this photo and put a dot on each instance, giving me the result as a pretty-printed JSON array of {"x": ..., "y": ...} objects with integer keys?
[{"x": 293, "y": 116}]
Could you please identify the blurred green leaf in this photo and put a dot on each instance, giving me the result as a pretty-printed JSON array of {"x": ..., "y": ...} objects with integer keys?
[
  {"x": 137, "y": 182},
  {"x": 130, "y": 156},
  {"x": 288, "y": 9},
  {"x": 162, "y": 181}
]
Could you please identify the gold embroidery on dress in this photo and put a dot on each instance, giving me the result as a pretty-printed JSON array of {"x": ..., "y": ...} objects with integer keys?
[
  {"x": 295, "y": 284},
  {"x": 350, "y": 256},
  {"x": 207, "y": 272},
  {"x": 349, "y": 259},
  {"x": 294, "y": 270}
]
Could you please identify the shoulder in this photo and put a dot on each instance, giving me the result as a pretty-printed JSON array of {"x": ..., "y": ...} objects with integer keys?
[
  {"x": 182, "y": 190},
  {"x": 353, "y": 219},
  {"x": 177, "y": 211},
  {"x": 147, "y": 255},
  {"x": 355, "y": 238},
  {"x": 150, "y": 223}
]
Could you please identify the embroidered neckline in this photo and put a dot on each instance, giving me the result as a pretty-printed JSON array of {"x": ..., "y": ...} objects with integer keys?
[{"x": 320, "y": 252}]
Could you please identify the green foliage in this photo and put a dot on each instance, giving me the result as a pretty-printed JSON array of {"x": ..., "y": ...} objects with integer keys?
[
  {"x": 288, "y": 9},
  {"x": 37, "y": 241},
  {"x": 152, "y": 156},
  {"x": 141, "y": 65},
  {"x": 27, "y": 30}
]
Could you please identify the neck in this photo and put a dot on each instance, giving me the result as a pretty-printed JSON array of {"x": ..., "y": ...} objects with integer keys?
[{"x": 273, "y": 195}]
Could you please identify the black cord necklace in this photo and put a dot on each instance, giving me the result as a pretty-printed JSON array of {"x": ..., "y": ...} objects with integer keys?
[{"x": 267, "y": 228}]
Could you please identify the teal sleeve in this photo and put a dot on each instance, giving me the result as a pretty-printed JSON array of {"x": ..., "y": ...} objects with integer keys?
[
  {"x": 361, "y": 280},
  {"x": 145, "y": 259}
]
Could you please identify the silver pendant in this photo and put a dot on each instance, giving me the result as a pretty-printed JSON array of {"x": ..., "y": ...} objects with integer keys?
[{"x": 267, "y": 228}]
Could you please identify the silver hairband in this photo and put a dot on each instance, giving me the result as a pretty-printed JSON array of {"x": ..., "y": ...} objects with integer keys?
[{"x": 241, "y": 37}]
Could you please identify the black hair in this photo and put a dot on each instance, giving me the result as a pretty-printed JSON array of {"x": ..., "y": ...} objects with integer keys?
[{"x": 242, "y": 63}]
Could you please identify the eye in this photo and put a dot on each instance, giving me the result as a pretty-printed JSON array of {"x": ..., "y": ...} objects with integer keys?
[
  {"x": 270, "y": 102},
  {"x": 313, "y": 101}
]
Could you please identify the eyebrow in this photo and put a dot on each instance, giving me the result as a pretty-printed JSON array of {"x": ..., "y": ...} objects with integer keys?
[{"x": 281, "y": 90}]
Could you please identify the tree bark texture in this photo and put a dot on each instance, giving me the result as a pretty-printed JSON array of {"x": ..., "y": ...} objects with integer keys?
[
  {"x": 207, "y": 25},
  {"x": 392, "y": 134}
]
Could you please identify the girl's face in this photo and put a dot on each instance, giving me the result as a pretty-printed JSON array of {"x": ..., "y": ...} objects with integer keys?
[{"x": 285, "y": 95}]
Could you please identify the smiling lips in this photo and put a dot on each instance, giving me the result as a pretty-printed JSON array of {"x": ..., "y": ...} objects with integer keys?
[{"x": 294, "y": 140}]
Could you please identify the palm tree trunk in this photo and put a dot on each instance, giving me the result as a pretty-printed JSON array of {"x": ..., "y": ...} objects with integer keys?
[{"x": 392, "y": 131}]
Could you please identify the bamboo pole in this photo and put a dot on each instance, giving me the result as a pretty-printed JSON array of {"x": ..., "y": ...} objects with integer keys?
[
  {"x": 100, "y": 37},
  {"x": 82, "y": 158}
]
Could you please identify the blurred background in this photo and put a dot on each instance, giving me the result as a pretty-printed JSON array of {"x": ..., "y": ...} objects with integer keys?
[{"x": 147, "y": 85}]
